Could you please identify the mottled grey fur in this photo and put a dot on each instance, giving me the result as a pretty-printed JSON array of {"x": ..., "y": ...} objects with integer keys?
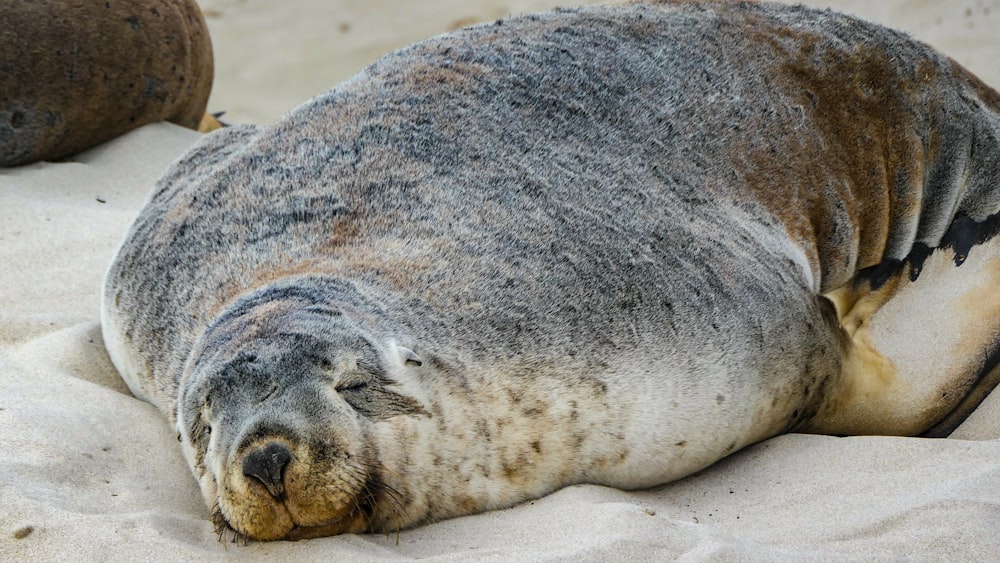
[{"x": 603, "y": 233}]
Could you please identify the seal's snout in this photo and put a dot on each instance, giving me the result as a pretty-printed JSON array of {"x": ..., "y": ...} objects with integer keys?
[{"x": 267, "y": 465}]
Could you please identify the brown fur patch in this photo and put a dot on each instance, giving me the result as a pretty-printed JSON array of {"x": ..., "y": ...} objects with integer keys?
[{"x": 856, "y": 141}]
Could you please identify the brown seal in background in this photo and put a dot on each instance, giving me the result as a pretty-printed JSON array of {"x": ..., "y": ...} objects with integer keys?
[{"x": 76, "y": 73}]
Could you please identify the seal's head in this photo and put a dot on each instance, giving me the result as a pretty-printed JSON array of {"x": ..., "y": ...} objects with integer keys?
[{"x": 276, "y": 417}]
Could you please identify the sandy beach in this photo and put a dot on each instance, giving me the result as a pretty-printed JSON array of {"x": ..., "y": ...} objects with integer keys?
[{"x": 88, "y": 472}]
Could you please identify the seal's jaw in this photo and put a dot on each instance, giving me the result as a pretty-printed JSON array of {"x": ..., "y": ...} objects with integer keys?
[
  {"x": 319, "y": 489},
  {"x": 354, "y": 523},
  {"x": 316, "y": 499}
]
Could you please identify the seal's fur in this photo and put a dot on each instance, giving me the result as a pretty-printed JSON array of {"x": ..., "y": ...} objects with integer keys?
[
  {"x": 606, "y": 245},
  {"x": 76, "y": 73}
]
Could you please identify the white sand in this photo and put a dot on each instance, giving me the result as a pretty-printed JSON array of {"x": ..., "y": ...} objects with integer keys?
[{"x": 97, "y": 474}]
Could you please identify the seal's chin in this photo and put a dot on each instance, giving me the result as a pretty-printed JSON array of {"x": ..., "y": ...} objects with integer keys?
[{"x": 355, "y": 522}]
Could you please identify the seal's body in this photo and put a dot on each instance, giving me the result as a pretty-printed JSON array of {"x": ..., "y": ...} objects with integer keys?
[
  {"x": 76, "y": 73},
  {"x": 607, "y": 245}
]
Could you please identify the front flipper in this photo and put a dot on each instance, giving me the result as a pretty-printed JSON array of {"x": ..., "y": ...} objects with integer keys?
[{"x": 921, "y": 353}]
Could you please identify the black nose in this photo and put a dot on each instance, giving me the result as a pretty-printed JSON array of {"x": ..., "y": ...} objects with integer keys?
[{"x": 267, "y": 465}]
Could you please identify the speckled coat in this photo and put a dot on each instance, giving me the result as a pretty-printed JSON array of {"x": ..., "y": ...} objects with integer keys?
[{"x": 621, "y": 243}]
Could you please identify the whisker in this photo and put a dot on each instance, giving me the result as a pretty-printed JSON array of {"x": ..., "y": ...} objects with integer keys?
[
  {"x": 375, "y": 490},
  {"x": 222, "y": 527},
  {"x": 391, "y": 498}
]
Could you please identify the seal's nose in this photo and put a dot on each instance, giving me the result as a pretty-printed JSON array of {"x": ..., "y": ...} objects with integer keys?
[{"x": 267, "y": 465}]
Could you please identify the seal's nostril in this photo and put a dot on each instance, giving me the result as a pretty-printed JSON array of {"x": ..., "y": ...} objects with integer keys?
[{"x": 267, "y": 465}]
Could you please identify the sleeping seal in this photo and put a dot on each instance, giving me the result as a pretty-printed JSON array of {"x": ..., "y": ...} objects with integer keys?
[
  {"x": 601, "y": 245},
  {"x": 77, "y": 73}
]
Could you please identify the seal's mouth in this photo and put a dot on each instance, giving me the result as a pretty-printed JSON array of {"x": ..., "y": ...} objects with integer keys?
[
  {"x": 356, "y": 520},
  {"x": 354, "y": 523}
]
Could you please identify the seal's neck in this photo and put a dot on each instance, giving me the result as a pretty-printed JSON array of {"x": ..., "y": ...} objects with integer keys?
[{"x": 493, "y": 439}]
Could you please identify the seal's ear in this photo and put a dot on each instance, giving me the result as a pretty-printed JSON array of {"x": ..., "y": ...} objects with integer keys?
[{"x": 408, "y": 357}]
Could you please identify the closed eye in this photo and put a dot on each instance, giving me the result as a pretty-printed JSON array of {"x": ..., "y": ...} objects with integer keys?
[
  {"x": 351, "y": 386},
  {"x": 270, "y": 391},
  {"x": 201, "y": 429},
  {"x": 354, "y": 393}
]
